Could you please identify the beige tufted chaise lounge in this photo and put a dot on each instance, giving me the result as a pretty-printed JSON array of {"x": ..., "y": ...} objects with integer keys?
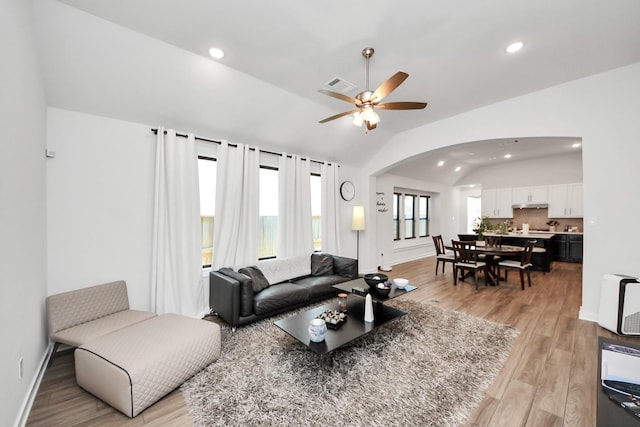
[
  {"x": 129, "y": 359},
  {"x": 79, "y": 316}
]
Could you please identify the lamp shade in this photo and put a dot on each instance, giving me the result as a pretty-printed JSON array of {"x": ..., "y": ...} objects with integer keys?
[{"x": 357, "y": 220}]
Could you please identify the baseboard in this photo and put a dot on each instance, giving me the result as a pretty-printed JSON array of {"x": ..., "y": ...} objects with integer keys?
[
  {"x": 588, "y": 315},
  {"x": 23, "y": 416}
]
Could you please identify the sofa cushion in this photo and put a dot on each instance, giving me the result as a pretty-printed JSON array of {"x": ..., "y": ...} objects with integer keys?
[
  {"x": 320, "y": 285},
  {"x": 258, "y": 281},
  {"x": 279, "y": 296},
  {"x": 345, "y": 266},
  {"x": 85, "y": 332},
  {"x": 246, "y": 290},
  {"x": 321, "y": 264},
  {"x": 281, "y": 270}
]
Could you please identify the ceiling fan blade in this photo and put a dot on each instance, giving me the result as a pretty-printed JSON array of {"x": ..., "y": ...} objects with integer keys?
[
  {"x": 402, "y": 105},
  {"x": 389, "y": 86},
  {"x": 340, "y": 96},
  {"x": 337, "y": 116}
]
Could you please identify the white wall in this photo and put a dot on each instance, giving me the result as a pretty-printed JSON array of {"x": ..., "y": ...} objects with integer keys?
[
  {"x": 99, "y": 203},
  {"x": 442, "y": 219},
  {"x": 602, "y": 110},
  {"x": 544, "y": 171},
  {"x": 23, "y": 257}
]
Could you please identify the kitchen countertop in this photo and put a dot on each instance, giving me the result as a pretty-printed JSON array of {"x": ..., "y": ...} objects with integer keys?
[{"x": 533, "y": 233}]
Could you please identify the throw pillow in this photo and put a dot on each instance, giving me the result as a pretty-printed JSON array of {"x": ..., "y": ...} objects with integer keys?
[
  {"x": 321, "y": 264},
  {"x": 345, "y": 267},
  {"x": 258, "y": 280}
]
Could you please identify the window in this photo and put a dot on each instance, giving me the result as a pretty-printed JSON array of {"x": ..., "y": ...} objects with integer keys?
[
  {"x": 413, "y": 210},
  {"x": 473, "y": 212},
  {"x": 268, "y": 212},
  {"x": 396, "y": 216},
  {"x": 207, "y": 180},
  {"x": 316, "y": 210},
  {"x": 268, "y": 209},
  {"x": 409, "y": 216},
  {"x": 423, "y": 216}
]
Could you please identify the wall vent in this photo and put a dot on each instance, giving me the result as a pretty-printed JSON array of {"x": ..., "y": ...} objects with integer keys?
[{"x": 340, "y": 85}]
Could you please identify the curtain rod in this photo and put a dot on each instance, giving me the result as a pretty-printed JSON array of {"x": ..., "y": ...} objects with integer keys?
[{"x": 199, "y": 138}]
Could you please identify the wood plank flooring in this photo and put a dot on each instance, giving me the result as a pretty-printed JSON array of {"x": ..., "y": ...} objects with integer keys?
[{"x": 549, "y": 378}]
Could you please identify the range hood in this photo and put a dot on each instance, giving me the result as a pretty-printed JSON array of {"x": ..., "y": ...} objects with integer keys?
[{"x": 531, "y": 206}]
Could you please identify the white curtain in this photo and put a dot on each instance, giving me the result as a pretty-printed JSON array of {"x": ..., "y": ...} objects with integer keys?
[
  {"x": 295, "y": 229},
  {"x": 176, "y": 285},
  {"x": 330, "y": 219},
  {"x": 236, "y": 223}
]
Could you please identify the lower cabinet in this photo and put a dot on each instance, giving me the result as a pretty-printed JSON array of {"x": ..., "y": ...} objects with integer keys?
[
  {"x": 567, "y": 247},
  {"x": 541, "y": 261}
]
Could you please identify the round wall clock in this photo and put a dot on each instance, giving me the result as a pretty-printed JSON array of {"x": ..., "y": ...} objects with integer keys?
[{"x": 347, "y": 190}]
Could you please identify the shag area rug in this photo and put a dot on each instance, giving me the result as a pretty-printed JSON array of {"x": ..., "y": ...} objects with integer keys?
[{"x": 428, "y": 368}]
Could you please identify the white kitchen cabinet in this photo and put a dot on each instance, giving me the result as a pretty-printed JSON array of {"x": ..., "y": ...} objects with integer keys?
[
  {"x": 530, "y": 195},
  {"x": 565, "y": 201},
  {"x": 497, "y": 203}
]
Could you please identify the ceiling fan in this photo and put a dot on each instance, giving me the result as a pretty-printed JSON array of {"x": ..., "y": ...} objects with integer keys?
[{"x": 366, "y": 101}]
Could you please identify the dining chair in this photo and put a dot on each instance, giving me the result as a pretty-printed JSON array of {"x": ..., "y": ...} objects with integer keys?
[
  {"x": 441, "y": 254},
  {"x": 467, "y": 259},
  {"x": 524, "y": 265},
  {"x": 491, "y": 260},
  {"x": 493, "y": 241}
]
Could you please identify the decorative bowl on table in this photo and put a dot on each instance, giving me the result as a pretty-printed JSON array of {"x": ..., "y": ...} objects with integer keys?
[
  {"x": 400, "y": 283},
  {"x": 378, "y": 283},
  {"x": 373, "y": 279}
]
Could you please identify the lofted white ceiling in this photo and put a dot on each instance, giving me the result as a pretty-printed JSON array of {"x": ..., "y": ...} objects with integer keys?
[{"x": 284, "y": 51}]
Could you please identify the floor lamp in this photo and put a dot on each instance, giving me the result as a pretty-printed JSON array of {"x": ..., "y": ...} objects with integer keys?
[{"x": 357, "y": 224}]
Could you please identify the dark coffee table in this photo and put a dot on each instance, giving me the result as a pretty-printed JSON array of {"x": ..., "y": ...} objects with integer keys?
[
  {"x": 298, "y": 325},
  {"x": 360, "y": 287}
]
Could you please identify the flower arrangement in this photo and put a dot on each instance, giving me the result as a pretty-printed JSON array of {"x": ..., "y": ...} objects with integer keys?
[{"x": 482, "y": 225}]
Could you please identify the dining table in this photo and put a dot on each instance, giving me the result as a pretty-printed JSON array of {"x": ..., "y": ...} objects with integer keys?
[{"x": 493, "y": 253}]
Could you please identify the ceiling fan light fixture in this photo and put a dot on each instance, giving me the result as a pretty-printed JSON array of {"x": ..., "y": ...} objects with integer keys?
[
  {"x": 370, "y": 115},
  {"x": 365, "y": 101},
  {"x": 358, "y": 120}
]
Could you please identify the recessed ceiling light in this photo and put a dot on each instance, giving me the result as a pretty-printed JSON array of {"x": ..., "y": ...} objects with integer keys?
[
  {"x": 507, "y": 156},
  {"x": 514, "y": 47},
  {"x": 441, "y": 162},
  {"x": 217, "y": 53},
  {"x": 458, "y": 168},
  {"x": 576, "y": 145}
]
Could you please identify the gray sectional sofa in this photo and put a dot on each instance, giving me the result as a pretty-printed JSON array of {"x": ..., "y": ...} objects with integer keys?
[{"x": 244, "y": 295}]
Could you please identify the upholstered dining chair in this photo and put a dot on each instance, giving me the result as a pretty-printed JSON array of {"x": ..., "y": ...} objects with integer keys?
[
  {"x": 442, "y": 256},
  {"x": 524, "y": 265},
  {"x": 467, "y": 260}
]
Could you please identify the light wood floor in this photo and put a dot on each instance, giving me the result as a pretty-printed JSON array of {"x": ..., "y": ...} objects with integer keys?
[{"x": 549, "y": 378}]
